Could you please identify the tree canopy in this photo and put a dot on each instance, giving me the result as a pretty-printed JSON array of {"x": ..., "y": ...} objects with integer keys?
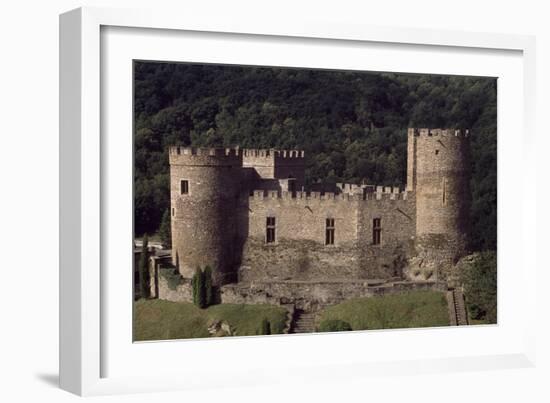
[{"x": 351, "y": 124}]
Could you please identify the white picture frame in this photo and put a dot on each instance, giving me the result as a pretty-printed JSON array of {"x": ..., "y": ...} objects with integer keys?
[{"x": 85, "y": 345}]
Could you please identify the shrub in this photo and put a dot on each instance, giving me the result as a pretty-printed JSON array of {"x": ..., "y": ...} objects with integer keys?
[
  {"x": 266, "y": 327},
  {"x": 398, "y": 264},
  {"x": 334, "y": 325}
]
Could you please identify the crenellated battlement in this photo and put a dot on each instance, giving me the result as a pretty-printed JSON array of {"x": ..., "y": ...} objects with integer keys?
[
  {"x": 273, "y": 153},
  {"x": 205, "y": 156},
  {"x": 211, "y": 152},
  {"x": 380, "y": 193},
  {"x": 426, "y": 132},
  {"x": 353, "y": 188},
  {"x": 274, "y": 194}
]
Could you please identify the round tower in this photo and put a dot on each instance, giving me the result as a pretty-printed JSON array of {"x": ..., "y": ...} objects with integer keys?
[
  {"x": 204, "y": 189},
  {"x": 439, "y": 174}
]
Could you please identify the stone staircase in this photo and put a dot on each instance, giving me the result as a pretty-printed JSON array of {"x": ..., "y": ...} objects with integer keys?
[
  {"x": 304, "y": 322},
  {"x": 457, "y": 308}
]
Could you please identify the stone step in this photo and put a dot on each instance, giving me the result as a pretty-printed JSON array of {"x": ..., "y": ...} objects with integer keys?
[
  {"x": 304, "y": 322},
  {"x": 457, "y": 308}
]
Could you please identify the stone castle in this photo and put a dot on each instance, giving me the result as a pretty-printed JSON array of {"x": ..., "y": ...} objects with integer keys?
[{"x": 248, "y": 215}]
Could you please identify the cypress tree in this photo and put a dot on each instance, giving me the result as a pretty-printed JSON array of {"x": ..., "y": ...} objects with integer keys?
[
  {"x": 144, "y": 268},
  {"x": 165, "y": 230},
  {"x": 199, "y": 294},
  {"x": 202, "y": 291},
  {"x": 208, "y": 290},
  {"x": 195, "y": 283}
]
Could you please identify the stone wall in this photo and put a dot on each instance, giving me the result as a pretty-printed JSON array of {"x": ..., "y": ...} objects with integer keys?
[
  {"x": 206, "y": 225},
  {"x": 307, "y": 295},
  {"x": 441, "y": 182},
  {"x": 300, "y": 252},
  {"x": 291, "y": 164},
  {"x": 397, "y": 214},
  {"x": 172, "y": 287},
  {"x": 262, "y": 161},
  {"x": 276, "y": 164},
  {"x": 315, "y": 295}
]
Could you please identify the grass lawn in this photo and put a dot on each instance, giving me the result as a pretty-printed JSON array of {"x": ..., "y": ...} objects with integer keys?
[
  {"x": 413, "y": 309},
  {"x": 479, "y": 322},
  {"x": 162, "y": 320}
]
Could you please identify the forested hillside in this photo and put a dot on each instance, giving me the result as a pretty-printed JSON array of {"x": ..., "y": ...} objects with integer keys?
[{"x": 352, "y": 125}]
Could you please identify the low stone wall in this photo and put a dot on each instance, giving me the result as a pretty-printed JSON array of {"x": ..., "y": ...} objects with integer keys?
[
  {"x": 173, "y": 287},
  {"x": 315, "y": 295},
  {"x": 305, "y": 295}
]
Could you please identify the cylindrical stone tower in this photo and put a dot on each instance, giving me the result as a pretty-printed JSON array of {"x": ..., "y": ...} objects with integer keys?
[
  {"x": 205, "y": 187},
  {"x": 439, "y": 173}
]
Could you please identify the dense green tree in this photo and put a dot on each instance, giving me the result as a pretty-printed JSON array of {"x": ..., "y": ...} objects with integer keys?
[
  {"x": 479, "y": 278},
  {"x": 351, "y": 124}
]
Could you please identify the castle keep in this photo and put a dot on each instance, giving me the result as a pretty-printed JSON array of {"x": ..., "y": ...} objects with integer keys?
[{"x": 247, "y": 214}]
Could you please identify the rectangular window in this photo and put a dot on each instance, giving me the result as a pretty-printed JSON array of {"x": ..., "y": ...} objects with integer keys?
[
  {"x": 184, "y": 187},
  {"x": 376, "y": 231},
  {"x": 329, "y": 233},
  {"x": 270, "y": 230}
]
